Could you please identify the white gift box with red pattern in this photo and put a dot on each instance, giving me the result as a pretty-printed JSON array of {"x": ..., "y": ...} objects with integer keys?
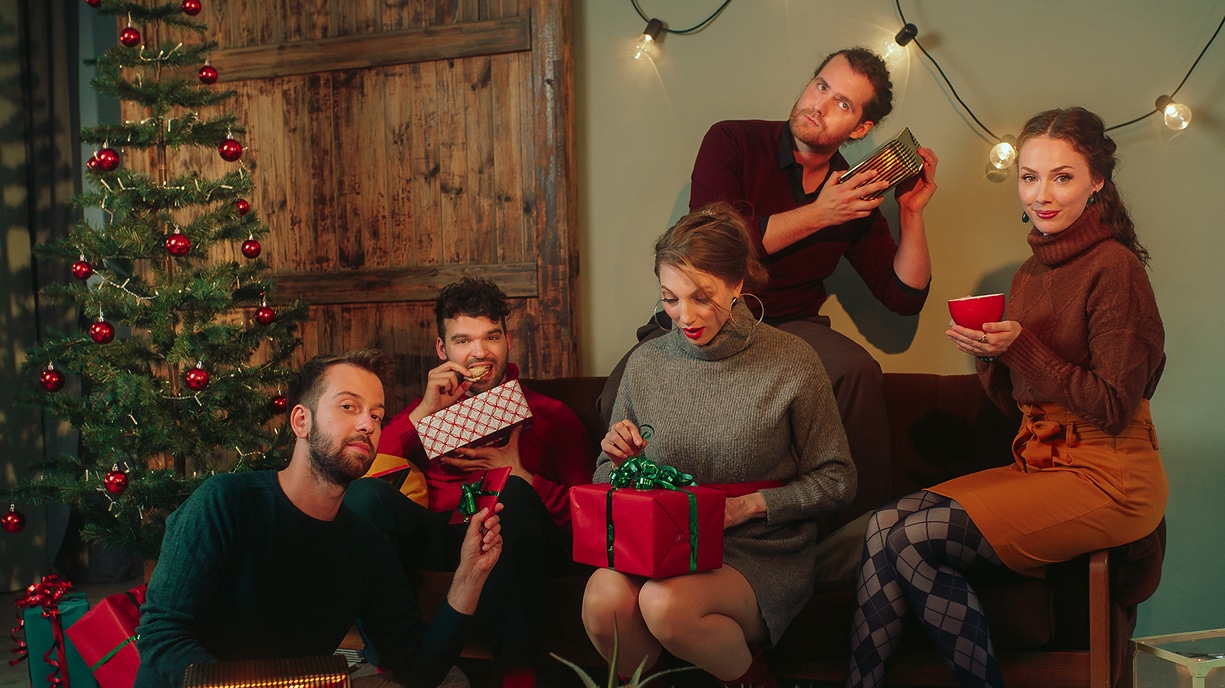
[{"x": 476, "y": 421}]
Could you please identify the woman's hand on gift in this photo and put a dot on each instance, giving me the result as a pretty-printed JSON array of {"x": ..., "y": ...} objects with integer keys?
[
  {"x": 486, "y": 458},
  {"x": 443, "y": 387},
  {"x": 737, "y": 510},
  {"x": 480, "y": 551},
  {"x": 622, "y": 441}
]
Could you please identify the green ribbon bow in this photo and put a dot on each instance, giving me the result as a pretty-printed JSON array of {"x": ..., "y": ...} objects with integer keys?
[
  {"x": 640, "y": 473},
  {"x": 468, "y": 494}
]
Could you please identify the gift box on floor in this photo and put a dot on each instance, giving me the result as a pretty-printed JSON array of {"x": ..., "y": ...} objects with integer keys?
[
  {"x": 479, "y": 491},
  {"x": 476, "y": 421},
  {"x": 46, "y": 610},
  {"x": 654, "y": 532},
  {"x": 106, "y": 638},
  {"x": 300, "y": 672}
]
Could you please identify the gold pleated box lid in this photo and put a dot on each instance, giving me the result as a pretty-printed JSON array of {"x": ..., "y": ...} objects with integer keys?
[
  {"x": 300, "y": 672},
  {"x": 896, "y": 161}
]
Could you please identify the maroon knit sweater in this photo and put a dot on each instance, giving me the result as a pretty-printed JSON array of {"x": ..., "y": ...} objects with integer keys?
[{"x": 1092, "y": 339}]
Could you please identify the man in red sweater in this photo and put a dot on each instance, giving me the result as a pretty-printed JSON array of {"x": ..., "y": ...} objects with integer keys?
[{"x": 545, "y": 459}]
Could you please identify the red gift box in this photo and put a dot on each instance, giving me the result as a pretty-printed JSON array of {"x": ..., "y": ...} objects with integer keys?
[
  {"x": 475, "y": 421},
  {"x": 106, "y": 638},
  {"x": 480, "y": 491},
  {"x": 652, "y": 530}
]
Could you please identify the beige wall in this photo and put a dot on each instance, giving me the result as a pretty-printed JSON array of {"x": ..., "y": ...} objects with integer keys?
[{"x": 640, "y": 125}]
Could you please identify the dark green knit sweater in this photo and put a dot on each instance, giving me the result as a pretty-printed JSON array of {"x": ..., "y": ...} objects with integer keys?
[{"x": 244, "y": 574}]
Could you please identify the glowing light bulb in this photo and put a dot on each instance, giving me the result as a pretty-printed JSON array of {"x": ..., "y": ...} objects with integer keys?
[
  {"x": 644, "y": 47},
  {"x": 1177, "y": 116},
  {"x": 649, "y": 40},
  {"x": 1003, "y": 154}
]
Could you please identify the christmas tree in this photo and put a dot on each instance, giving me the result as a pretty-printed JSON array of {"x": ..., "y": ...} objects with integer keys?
[{"x": 183, "y": 361}]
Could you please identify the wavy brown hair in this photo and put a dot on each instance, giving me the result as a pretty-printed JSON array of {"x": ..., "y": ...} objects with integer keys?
[
  {"x": 713, "y": 239},
  {"x": 1086, "y": 133}
]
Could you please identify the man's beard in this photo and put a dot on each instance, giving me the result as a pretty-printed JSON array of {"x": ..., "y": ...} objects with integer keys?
[
  {"x": 328, "y": 461},
  {"x": 819, "y": 141}
]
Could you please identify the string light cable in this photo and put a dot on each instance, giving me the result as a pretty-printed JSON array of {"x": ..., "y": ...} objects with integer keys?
[
  {"x": 682, "y": 32},
  {"x": 1177, "y": 115}
]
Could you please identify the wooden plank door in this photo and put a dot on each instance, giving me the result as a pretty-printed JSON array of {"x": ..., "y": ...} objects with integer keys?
[{"x": 396, "y": 147}]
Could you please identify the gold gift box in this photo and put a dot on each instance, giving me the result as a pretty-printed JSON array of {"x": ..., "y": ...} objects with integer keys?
[
  {"x": 896, "y": 161},
  {"x": 302, "y": 672}
]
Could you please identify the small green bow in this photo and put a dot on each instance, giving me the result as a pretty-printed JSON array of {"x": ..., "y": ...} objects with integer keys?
[{"x": 468, "y": 495}]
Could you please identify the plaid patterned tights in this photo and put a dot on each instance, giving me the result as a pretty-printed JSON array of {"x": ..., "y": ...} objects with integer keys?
[{"x": 914, "y": 554}]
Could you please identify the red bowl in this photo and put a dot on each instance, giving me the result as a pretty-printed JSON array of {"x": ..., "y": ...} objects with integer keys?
[{"x": 972, "y": 311}]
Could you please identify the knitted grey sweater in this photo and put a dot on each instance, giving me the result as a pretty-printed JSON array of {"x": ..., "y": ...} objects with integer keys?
[{"x": 753, "y": 404}]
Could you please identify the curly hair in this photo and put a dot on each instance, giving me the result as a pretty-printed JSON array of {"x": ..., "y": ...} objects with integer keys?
[
  {"x": 1086, "y": 133},
  {"x": 473, "y": 297},
  {"x": 306, "y": 386}
]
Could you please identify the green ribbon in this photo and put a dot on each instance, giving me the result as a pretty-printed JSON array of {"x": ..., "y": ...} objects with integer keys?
[
  {"x": 468, "y": 494},
  {"x": 640, "y": 473},
  {"x": 112, "y": 653}
]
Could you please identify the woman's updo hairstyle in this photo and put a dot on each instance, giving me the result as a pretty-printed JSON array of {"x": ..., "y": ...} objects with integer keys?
[
  {"x": 713, "y": 239},
  {"x": 1086, "y": 133}
]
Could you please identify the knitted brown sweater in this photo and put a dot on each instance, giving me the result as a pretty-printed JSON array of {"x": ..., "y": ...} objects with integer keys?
[{"x": 1091, "y": 337}]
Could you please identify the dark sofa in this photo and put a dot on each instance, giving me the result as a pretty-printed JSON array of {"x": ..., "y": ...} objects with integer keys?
[{"x": 1069, "y": 629}]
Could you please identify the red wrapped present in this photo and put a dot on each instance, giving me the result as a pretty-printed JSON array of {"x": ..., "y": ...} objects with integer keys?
[
  {"x": 480, "y": 491},
  {"x": 658, "y": 532},
  {"x": 106, "y": 638},
  {"x": 476, "y": 421}
]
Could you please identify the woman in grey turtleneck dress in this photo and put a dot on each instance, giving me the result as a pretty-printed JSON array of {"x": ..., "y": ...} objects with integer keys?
[{"x": 730, "y": 401}]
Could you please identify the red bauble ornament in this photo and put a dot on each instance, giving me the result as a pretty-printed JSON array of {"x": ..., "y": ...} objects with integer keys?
[
  {"x": 101, "y": 332},
  {"x": 280, "y": 403},
  {"x": 177, "y": 244},
  {"x": 197, "y": 378},
  {"x": 130, "y": 37},
  {"x": 115, "y": 481},
  {"x": 264, "y": 315},
  {"x": 242, "y": 206},
  {"x": 92, "y": 163},
  {"x": 207, "y": 74},
  {"x": 14, "y": 521},
  {"x": 108, "y": 159},
  {"x": 93, "y": 3},
  {"x": 51, "y": 379},
  {"x": 230, "y": 150},
  {"x": 191, "y": 7},
  {"x": 82, "y": 270},
  {"x": 251, "y": 248}
]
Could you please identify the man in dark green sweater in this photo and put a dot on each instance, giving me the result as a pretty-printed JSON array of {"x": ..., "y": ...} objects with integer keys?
[{"x": 271, "y": 564}]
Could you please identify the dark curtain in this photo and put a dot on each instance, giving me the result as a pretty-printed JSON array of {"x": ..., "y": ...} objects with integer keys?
[{"x": 39, "y": 118}]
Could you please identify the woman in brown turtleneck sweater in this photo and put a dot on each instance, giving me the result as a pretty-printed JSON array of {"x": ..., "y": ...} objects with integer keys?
[{"x": 1079, "y": 354}]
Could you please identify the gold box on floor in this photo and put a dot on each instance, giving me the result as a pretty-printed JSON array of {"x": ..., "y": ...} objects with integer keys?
[{"x": 303, "y": 672}]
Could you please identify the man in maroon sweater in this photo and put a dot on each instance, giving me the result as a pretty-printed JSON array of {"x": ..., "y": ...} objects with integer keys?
[
  {"x": 545, "y": 460},
  {"x": 783, "y": 177}
]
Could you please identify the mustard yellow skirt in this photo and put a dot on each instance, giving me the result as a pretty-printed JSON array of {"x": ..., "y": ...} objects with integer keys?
[{"x": 1071, "y": 489}]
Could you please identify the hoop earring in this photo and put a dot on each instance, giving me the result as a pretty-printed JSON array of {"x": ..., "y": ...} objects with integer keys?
[
  {"x": 655, "y": 317},
  {"x": 1024, "y": 217},
  {"x": 760, "y": 306}
]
